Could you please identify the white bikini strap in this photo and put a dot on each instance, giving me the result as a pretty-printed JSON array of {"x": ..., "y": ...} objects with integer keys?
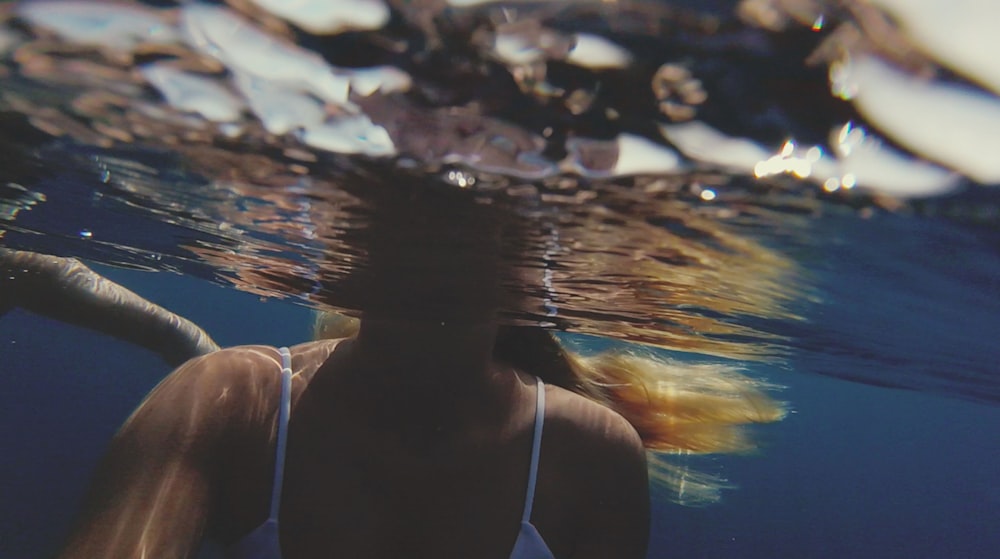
[
  {"x": 536, "y": 446},
  {"x": 284, "y": 410}
]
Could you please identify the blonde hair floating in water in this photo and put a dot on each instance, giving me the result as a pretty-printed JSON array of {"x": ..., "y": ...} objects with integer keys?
[{"x": 679, "y": 409}]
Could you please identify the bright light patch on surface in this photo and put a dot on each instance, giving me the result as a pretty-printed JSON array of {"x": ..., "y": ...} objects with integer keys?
[
  {"x": 474, "y": 3},
  {"x": 280, "y": 110},
  {"x": 960, "y": 34},
  {"x": 787, "y": 149},
  {"x": 192, "y": 93},
  {"x": 952, "y": 124},
  {"x": 597, "y": 53},
  {"x": 848, "y": 138},
  {"x": 353, "y": 135},
  {"x": 706, "y": 144},
  {"x": 840, "y": 84},
  {"x": 860, "y": 160},
  {"x": 819, "y": 23},
  {"x": 707, "y": 195},
  {"x": 863, "y": 160},
  {"x": 382, "y": 79},
  {"x": 324, "y": 17},
  {"x": 870, "y": 164},
  {"x": 237, "y": 43},
  {"x": 639, "y": 156},
  {"x": 109, "y": 25},
  {"x": 460, "y": 179},
  {"x": 788, "y": 160},
  {"x": 513, "y": 49}
]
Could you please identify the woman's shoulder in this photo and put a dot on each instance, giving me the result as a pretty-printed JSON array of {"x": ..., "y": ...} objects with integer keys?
[
  {"x": 232, "y": 388},
  {"x": 241, "y": 375},
  {"x": 246, "y": 362},
  {"x": 598, "y": 460},
  {"x": 586, "y": 426},
  {"x": 226, "y": 369}
]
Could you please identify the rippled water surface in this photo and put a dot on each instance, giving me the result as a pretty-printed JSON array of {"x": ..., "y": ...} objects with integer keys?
[{"x": 224, "y": 143}]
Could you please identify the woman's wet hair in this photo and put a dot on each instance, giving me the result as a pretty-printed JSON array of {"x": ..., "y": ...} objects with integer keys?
[
  {"x": 678, "y": 408},
  {"x": 418, "y": 249}
]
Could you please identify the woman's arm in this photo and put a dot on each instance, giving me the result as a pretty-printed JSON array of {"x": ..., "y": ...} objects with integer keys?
[
  {"x": 153, "y": 494},
  {"x": 66, "y": 290}
]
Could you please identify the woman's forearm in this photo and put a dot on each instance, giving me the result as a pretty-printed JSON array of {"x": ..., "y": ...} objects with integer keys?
[{"x": 67, "y": 290}]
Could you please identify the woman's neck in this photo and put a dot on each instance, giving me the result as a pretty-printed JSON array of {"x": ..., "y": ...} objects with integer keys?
[
  {"x": 421, "y": 376},
  {"x": 414, "y": 351}
]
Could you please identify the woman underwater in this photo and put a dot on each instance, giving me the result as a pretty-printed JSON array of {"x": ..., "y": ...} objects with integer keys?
[
  {"x": 440, "y": 429},
  {"x": 434, "y": 431}
]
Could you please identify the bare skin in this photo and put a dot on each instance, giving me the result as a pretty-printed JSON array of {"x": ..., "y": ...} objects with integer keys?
[
  {"x": 67, "y": 290},
  {"x": 408, "y": 440}
]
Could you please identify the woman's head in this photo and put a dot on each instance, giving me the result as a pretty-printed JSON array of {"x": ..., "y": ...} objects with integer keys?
[{"x": 422, "y": 252}]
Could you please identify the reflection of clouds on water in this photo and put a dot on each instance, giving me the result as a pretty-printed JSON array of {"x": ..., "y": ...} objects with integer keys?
[
  {"x": 322, "y": 17},
  {"x": 953, "y": 124},
  {"x": 219, "y": 62},
  {"x": 194, "y": 94},
  {"x": 884, "y": 63},
  {"x": 97, "y": 24},
  {"x": 959, "y": 34},
  {"x": 858, "y": 160}
]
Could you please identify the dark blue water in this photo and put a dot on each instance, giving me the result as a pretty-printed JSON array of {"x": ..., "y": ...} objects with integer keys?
[{"x": 856, "y": 471}]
